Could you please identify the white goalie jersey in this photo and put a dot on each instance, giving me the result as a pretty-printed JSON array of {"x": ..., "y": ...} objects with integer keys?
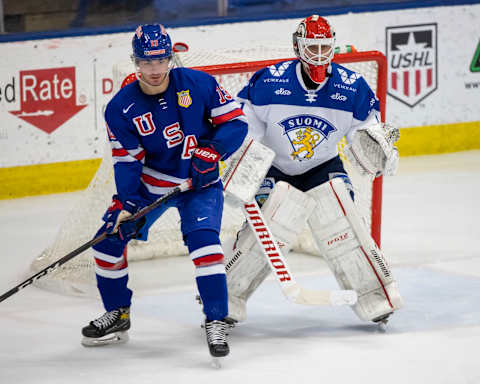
[{"x": 304, "y": 126}]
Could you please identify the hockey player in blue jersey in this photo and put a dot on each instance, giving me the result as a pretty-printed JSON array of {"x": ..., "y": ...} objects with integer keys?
[
  {"x": 302, "y": 109},
  {"x": 170, "y": 125}
]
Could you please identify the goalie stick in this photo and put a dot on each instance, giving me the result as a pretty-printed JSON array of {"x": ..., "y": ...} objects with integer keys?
[
  {"x": 142, "y": 212},
  {"x": 278, "y": 264}
]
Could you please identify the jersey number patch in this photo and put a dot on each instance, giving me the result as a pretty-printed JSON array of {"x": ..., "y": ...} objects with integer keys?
[{"x": 223, "y": 95}]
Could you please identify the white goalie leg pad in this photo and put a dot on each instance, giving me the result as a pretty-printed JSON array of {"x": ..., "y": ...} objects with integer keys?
[
  {"x": 286, "y": 211},
  {"x": 351, "y": 253}
]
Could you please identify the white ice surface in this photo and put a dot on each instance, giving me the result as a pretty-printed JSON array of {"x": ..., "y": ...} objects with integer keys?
[{"x": 430, "y": 233}]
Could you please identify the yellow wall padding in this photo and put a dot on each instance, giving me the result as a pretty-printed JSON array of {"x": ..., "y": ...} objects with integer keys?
[
  {"x": 42, "y": 179},
  {"x": 75, "y": 175},
  {"x": 436, "y": 139}
]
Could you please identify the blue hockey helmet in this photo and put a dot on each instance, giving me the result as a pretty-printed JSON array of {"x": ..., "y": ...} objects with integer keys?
[{"x": 151, "y": 41}]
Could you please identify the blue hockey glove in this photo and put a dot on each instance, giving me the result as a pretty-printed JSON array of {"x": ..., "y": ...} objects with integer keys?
[
  {"x": 115, "y": 216},
  {"x": 205, "y": 169}
]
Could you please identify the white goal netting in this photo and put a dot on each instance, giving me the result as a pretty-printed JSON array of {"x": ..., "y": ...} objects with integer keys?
[{"x": 165, "y": 239}]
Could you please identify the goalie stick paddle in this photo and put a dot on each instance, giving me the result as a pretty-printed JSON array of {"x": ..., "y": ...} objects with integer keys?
[
  {"x": 142, "y": 212},
  {"x": 278, "y": 264}
]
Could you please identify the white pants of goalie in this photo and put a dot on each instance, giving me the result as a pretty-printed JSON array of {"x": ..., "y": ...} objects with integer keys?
[{"x": 342, "y": 239}]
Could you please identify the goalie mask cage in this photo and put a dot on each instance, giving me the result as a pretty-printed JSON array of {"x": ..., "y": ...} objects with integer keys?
[{"x": 165, "y": 239}]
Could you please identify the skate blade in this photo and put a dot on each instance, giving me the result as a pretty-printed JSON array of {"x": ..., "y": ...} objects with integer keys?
[
  {"x": 112, "y": 338},
  {"x": 382, "y": 322},
  {"x": 217, "y": 362},
  {"x": 382, "y": 326}
]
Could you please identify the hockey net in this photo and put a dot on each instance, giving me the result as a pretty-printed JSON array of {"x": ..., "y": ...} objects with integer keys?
[{"x": 165, "y": 239}]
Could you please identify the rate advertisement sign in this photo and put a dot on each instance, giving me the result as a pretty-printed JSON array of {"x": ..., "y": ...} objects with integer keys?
[
  {"x": 48, "y": 97},
  {"x": 53, "y": 113}
]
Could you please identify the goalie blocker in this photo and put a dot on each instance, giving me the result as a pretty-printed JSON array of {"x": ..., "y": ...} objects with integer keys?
[{"x": 342, "y": 237}]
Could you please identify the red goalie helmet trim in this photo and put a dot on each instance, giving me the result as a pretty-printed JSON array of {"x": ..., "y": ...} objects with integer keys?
[{"x": 315, "y": 27}]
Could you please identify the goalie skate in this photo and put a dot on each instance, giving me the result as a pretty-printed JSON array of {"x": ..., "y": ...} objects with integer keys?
[{"x": 110, "y": 328}]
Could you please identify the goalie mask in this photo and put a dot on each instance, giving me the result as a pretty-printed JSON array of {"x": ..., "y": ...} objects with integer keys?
[{"x": 314, "y": 45}]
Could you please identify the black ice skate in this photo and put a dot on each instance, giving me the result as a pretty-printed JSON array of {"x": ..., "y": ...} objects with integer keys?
[
  {"x": 217, "y": 338},
  {"x": 110, "y": 328}
]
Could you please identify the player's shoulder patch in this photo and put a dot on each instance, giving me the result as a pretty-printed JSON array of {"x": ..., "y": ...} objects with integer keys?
[
  {"x": 199, "y": 84},
  {"x": 346, "y": 79},
  {"x": 270, "y": 81},
  {"x": 276, "y": 73}
]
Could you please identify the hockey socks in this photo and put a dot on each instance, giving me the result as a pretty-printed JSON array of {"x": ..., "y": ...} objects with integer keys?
[{"x": 207, "y": 255}]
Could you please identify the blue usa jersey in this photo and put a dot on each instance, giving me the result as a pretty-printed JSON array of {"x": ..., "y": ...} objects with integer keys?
[
  {"x": 153, "y": 136},
  {"x": 301, "y": 125}
]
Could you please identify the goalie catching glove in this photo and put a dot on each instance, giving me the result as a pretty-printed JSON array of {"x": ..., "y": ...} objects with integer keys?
[
  {"x": 205, "y": 167},
  {"x": 116, "y": 219},
  {"x": 373, "y": 151}
]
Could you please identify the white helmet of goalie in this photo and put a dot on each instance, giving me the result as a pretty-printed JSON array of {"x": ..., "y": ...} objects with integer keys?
[{"x": 314, "y": 45}]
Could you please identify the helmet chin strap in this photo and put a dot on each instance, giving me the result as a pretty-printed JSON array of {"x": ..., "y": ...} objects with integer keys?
[{"x": 152, "y": 89}]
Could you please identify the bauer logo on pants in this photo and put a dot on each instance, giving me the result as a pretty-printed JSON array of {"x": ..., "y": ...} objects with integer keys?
[{"x": 412, "y": 62}]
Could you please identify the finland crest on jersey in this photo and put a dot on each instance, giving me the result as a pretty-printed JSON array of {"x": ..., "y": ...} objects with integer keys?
[{"x": 305, "y": 133}]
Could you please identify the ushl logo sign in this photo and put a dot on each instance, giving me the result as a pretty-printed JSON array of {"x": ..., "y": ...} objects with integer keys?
[
  {"x": 48, "y": 97},
  {"x": 412, "y": 62}
]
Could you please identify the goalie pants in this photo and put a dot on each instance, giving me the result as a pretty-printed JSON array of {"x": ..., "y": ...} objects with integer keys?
[
  {"x": 305, "y": 181},
  {"x": 201, "y": 214}
]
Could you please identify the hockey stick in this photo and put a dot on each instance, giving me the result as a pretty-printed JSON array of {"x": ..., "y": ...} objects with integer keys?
[
  {"x": 142, "y": 212},
  {"x": 278, "y": 264}
]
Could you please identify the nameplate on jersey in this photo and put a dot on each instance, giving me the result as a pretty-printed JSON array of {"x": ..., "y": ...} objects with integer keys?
[
  {"x": 305, "y": 133},
  {"x": 184, "y": 99}
]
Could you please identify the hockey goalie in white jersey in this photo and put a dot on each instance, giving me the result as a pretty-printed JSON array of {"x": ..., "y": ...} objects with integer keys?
[{"x": 301, "y": 109}]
